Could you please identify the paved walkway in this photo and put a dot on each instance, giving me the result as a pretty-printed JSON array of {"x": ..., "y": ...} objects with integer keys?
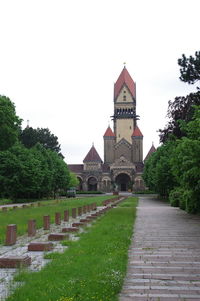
[{"x": 164, "y": 257}]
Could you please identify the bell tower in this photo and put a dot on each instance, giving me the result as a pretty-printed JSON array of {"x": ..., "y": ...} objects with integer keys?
[{"x": 124, "y": 106}]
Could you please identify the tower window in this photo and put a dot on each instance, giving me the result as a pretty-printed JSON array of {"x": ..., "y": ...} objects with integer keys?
[
  {"x": 124, "y": 91},
  {"x": 130, "y": 127},
  {"x": 124, "y": 98}
]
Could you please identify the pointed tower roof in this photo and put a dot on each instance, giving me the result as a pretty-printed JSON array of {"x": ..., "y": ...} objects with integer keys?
[
  {"x": 92, "y": 156},
  {"x": 126, "y": 79},
  {"x": 109, "y": 133},
  {"x": 150, "y": 152},
  {"x": 137, "y": 132}
]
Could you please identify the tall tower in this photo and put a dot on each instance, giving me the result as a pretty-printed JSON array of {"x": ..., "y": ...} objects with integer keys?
[{"x": 124, "y": 106}]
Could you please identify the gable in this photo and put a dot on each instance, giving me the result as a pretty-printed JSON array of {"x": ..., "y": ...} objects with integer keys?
[
  {"x": 124, "y": 95},
  {"x": 123, "y": 149}
]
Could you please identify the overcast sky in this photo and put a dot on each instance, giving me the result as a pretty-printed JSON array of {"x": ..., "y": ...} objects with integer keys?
[{"x": 59, "y": 61}]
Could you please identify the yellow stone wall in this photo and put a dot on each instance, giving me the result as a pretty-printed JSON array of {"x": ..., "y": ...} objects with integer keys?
[
  {"x": 124, "y": 129},
  {"x": 124, "y": 92}
]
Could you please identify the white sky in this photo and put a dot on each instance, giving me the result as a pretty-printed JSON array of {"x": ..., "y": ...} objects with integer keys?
[{"x": 59, "y": 60}]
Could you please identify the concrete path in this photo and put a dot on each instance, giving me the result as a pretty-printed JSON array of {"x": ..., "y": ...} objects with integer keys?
[{"x": 164, "y": 257}]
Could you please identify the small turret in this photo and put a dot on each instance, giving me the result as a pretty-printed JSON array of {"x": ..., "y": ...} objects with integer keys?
[
  {"x": 109, "y": 142},
  {"x": 137, "y": 141}
]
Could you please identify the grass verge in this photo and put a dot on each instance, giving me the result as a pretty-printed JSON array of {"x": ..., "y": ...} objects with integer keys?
[
  {"x": 20, "y": 216},
  {"x": 93, "y": 268}
]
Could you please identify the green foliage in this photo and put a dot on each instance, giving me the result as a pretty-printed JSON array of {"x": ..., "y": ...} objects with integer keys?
[
  {"x": 31, "y": 173},
  {"x": 175, "y": 167},
  {"x": 190, "y": 68},
  {"x": 182, "y": 108},
  {"x": 92, "y": 268},
  {"x": 9, "y": 124},
  {"x": 178, "y": 170},
  {"x": 157, "y": 170},
  {"x": 30, "y": 137},
  {"x": 73, "y": 182},
  {"x": 176, "y": 197},
  {"x": 89, "y": 192}
]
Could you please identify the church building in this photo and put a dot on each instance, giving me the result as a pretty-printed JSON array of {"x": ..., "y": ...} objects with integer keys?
[{"x": 122, "y": 167}]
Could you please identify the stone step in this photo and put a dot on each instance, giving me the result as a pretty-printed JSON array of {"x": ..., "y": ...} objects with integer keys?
[
  {"x": 164, "y": 276},
  {"x": 159, "y": 296},
  {"x": 139, "y": 281},
  {"x": 165, "y": 263},
  {"x": 40, "y": 246},
  {"x": 84, "y": 220},
  {"x": 78, "y": 225},
  {"x": 57, "y": 236},
  {"x": 70, "y": 229},
  {"x": 15, "y": 261}
]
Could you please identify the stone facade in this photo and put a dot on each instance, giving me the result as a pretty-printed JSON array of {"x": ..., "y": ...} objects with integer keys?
[{"x": 123, "y": 147}]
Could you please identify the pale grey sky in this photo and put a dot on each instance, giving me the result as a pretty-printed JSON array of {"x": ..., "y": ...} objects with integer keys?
[{"x": 59, "y": 61}]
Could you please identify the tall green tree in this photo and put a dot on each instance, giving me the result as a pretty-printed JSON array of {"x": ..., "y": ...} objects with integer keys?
[
  {"x": 9, "y": 123},
  {"x": 182, "y": 108},
  {"x": 30, "y": 137},
  {"x": 190, "y": 68},
  {"x": 157, "y": 173}
]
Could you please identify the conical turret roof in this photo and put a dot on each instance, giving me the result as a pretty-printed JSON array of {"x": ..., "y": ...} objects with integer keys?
[
  {"x": 137, "y": 132},
  {"x": 150, "y": 152},
  {"x": 109, "y": 133}
]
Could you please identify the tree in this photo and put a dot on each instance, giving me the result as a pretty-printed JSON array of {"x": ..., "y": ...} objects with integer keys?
[
  {"x": 9, "y": 123},
  {"x": 157, "y": 173},
  {"x": 73, "y": 180},
  {"x": 29, "y": 137},
  {"x": 61, "y": 174},
  {"x": 20, "y": 172},
  {"x": 182, "y": 107},
  {"x": 190, "y": 68}
]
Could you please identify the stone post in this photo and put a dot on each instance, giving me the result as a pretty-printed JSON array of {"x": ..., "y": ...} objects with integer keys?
[
  {"x": 31, "y": 227},
  {"x": 79, "y": 211},
  {"x": 74, "y": 212},
  {"x": 46, "y": 222},
  {"x": 57, "y": 218},
  {"x": 66, "y": 215},
  {"x": 11, "y": 235},
  {"x": 84, "y": 209}
]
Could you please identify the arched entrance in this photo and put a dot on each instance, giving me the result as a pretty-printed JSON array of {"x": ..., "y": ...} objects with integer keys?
[
  {"x": 123, "y": 182},
  {"x": 92, "y": 184}
]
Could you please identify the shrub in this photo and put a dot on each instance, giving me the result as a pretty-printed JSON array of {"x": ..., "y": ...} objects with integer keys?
[
  {"x": 176, "y": 197},
  {"x": 190, "y": 201}
]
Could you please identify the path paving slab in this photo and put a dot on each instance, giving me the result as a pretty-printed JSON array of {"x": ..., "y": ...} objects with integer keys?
[{"x": 164, "y": 256}]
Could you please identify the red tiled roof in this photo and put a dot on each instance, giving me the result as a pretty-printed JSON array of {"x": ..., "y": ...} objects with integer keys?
[
  {"x": 75, "y": 167},
  {"x": 109, "y": 133},
  {"x": 92, "y": 156},
  {"x": 150, "y": 152},
  {"x": 124, "y": 78},
  {"x": 137, "y": 132}
]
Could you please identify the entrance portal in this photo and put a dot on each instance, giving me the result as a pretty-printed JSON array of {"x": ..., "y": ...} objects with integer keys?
[
  {"x": 92, "y": 184},
  {"x": 123, "y": 182}
]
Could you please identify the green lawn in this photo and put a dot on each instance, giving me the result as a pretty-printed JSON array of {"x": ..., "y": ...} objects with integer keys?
[
  {"x": 20, "y": 216},
  {"x": 92, "y": 268}
]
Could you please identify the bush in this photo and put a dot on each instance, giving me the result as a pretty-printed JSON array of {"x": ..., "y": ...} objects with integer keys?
[
  {"x": 89, "y": 192},
  {"x": 176, "y": 197},
  {"x": 190, "y": 201}
]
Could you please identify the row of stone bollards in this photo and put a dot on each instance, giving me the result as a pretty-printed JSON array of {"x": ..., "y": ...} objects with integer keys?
[{"x": 11, "y": 232}]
